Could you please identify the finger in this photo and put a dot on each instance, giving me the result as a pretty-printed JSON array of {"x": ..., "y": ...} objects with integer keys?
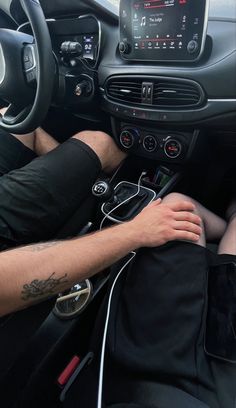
[
  {"x": 155, "y": 203},
  {"x": 186, "y": 236},
  {"x": 181, "y": 206},
  {"x": 188, "y": 226},
  {"x": 187, "y": 216}
]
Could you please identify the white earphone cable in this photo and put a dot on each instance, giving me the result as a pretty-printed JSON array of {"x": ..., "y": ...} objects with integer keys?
[
  {"x": 133, "y": 254},
  {"x": 102, "y": 358},
  {"x": 125, "y": 201}
]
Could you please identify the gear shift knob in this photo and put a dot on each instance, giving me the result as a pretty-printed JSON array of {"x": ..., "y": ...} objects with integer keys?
[{"x": 103, "y": 190}]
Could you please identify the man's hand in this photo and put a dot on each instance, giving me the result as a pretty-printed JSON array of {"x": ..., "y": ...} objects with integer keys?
[{"x": 159, "y": 223}]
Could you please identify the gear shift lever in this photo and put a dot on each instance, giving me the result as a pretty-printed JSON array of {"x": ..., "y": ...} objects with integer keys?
[{"x": 103, "y": 190}]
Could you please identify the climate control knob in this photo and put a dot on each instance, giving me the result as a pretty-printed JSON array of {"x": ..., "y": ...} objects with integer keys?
[
  {"x": 150, "y": 143},
  {"x": 173, "y": 148},
  {"x": 129, "y": 138}
]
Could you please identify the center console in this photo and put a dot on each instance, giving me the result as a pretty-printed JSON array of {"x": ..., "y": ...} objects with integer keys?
[
  {"x": 133, "y": 188},
  {"x": 154, "y": 114}
]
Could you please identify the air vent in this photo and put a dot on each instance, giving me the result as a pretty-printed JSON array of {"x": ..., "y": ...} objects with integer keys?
[
  {"x": 125, "y": 90},
  {"x": 176, "y": 94},
  {"x": 166, "y": 92}
]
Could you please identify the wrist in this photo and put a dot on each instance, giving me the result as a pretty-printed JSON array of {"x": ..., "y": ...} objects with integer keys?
[{"x": 132, "y": 233}]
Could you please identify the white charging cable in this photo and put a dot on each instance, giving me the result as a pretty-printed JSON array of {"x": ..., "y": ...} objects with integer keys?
[
  {"x": 102, "y": 358},
  {"x": 124, "y": 202},
  {"x": 133, "y": 254}
]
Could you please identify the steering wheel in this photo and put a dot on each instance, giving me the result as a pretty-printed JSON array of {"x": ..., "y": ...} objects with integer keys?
[{"x": 27, "y": 72}]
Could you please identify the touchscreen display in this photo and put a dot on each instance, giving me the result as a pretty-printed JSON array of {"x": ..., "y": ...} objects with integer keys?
[{"x": 163, "y": 29}]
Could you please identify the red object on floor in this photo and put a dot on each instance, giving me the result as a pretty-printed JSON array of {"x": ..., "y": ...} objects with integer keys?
[{"x": 68, "y": 371}]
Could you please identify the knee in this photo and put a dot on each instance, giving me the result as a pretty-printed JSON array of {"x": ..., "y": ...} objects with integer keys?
[
  {"x": 93, "y": 138},
  {"x": 104, "y": 146},
  {"x": 176, "y": 197}
]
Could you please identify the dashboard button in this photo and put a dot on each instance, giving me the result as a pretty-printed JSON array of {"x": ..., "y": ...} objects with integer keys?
[
  {"x": 129, "y": 138},
  {"x": 124, "y": 47},
  {"x": 173, "y": 148},
  {"x": 150, "y": 143},
  {"x": 192, "y": 46}
]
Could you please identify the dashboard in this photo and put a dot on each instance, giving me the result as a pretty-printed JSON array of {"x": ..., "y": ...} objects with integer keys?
[{"x": 163, "y": 71}]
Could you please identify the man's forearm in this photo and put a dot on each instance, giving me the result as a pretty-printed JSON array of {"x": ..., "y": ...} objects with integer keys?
[{"x": 36, "y": 272}]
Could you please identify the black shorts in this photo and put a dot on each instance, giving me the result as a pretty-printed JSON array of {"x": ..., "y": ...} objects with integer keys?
[
  {"x": 38, "y": 195},
  {"x": 155, "y": 352}
]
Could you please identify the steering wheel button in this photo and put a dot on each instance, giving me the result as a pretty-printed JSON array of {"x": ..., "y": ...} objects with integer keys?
[
  {"x": 30, "y": 76},
  {"x": 28, "y": 65}
]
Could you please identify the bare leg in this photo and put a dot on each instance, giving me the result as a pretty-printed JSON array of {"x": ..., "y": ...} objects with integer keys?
[
  {"x": 44, "y": 142},
  {"x": 105, "y": 148},
  {"x": 102, "y": 144},
  {"x": 39, "y": 141},
  {"x": 213, "y": 227},
  {"x": 228, "y": 242},
  {"x": 27, "y": 139}
]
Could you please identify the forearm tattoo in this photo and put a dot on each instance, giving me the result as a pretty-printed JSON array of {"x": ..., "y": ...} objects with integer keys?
[{"x": 42, "y": 288}]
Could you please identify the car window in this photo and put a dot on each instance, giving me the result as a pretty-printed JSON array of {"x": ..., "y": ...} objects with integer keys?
[{"x": 225, "y": 9}]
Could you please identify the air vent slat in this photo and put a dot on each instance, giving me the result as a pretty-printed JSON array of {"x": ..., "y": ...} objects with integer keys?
[
  {"x": 130, "y": 97},
  {"x": 177, "y": 90},
  {"x": 137, "y": 95},
  {"x": 173, "y": 85},
  {"x": 167, "y": 92},
  {"x": 177, "y": 95},
  {"x": 126, "y": 87},
  {"x": 176, "y": 100},
  {"x": 171, "y": 90},
  {"x": 125, "y": 91}
]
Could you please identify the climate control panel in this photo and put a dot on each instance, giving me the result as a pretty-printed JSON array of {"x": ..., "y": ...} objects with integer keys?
[{"x": 156, "y": 144}]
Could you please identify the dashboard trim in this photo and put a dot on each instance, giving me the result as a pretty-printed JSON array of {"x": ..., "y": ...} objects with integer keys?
[
  {"x": 3, "y": 69},
  {"x": 211, "y": 109},
  {"x": 28, "y": 24},
  {"x": 221, "y": 100}
]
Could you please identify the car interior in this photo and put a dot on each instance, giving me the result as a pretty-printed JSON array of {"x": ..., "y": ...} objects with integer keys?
[{"x": 159, "y": 76}]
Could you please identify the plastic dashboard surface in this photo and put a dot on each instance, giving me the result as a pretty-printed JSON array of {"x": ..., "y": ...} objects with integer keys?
[{"x": 215, "y": 73}]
